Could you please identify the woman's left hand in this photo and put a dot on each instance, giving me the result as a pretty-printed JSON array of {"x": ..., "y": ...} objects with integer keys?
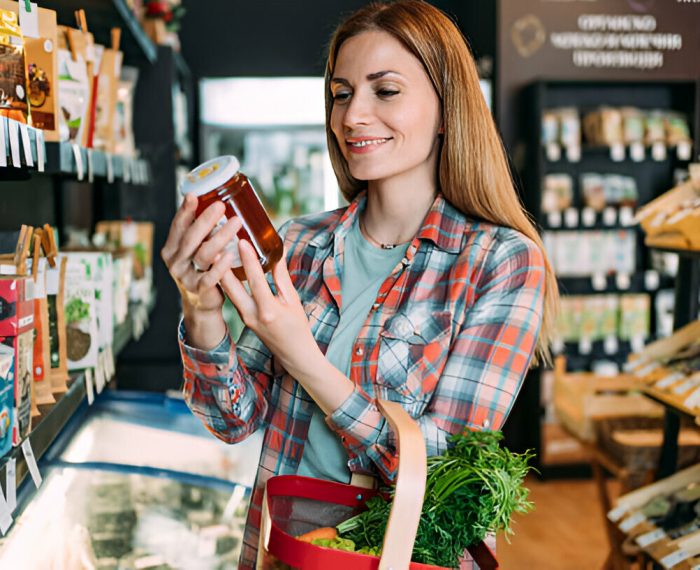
[{"x": 278, "y": 320}]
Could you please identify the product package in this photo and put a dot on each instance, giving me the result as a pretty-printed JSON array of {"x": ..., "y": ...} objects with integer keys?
[
  {"x": 558, "y": 193},
  {"x": 593, "y": 190},
  {"x": 40, "y": 47},
  {"x": 58, "y": 346},
  {"x": 73, "y": 90},
  {"x": 121, "y": 284},
  {"x": 7, "y": 397},
  {"x": 17, "y": 334},
  {"x": 604, "y": 127},
  {"x": 635, "y": 312},
  {"x": 110, "y": 68},
  {"x": 13, "y": 77},
  {"x": 80, "y": 305},
  {"x": 124, "y": 144},
  {"x": 42, "y": 351},
  {"x": 632, "y": 125}
]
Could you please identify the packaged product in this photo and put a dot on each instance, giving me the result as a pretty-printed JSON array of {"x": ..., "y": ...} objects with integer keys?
[
  {"x": 13, "y": 78},
  {"x": 73, "y": 91},
  {"x": 570, "y": 127},
  {"x": 550, "y": 127},
  {"x": 7, "y": 397},
  {"x": 591, "y": 317},
  {"x": 124, "y": 144},
  {"x": 121, "y": 284},
  {"x": 611, "y": 313},
  {"x": 632, "y": 125},
  {"x": 558, "y": 193},
  {"x": 42, "y": 352},
  {"x": 106, "y": 99},
  {"x": 40, "y": 54},
  {"x": 635, "y": 311},
  {"x": 80, "y": 307},
  {"x": 655, "y": 128},
  {"x": 17, "y": 334},
  {"x": 82, "y": 45},
  {"x": 58, "y": 346},
  {"x": 604, "y": 127},
  {"x": 594, "y": 257},
  {"x": 676, "y": 128},
  {"x": 593, "y": 191},
  {"x": 623, "y": 246}
]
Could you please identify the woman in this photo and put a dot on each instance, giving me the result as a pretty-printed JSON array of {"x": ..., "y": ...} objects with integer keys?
[{"x": 430, "y": 289}]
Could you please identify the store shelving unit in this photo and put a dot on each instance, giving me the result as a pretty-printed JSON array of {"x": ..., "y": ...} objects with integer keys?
[{"x": 652, "y": 176}]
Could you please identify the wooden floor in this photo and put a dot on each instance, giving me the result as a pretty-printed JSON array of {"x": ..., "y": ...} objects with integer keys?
[{"x": 564, "y": 532}]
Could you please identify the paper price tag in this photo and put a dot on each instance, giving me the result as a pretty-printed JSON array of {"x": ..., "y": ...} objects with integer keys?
[
  {"x": 11, "y": 483},
  {"x": 650, "y": 537},
  {"x": 585, "y": 346},
  {"x": 40, "y": 150},
  {"x": 571, "y": 217},
  {"x": 28, "y": 453},
  {"x": 89, "y": 386},
  {"x": 554, "y": 219},
  {"x": 609, "y": 216},
  {"x": 623, "y": 281},
  {"x": 626, "y": 216},
  {"x": 78, "y": 161},
  {"x": 26, "y": 144},
  {"x": 3, "y": 142},
  {"x": 632, "y": 364},
  {"x": 553, "y": 152},
  {"x": 588, "y": 217},
  {"x": 127, "y": 170},
  {"x": 99, "y": 373},
  {"x": 646, "y": 369},
  {"x": 651, "y": 280},
  {"x": 14, "y": 143},
  {"x": 111, "y": 370},
  {"x": 599, "y": 281},
  {"x": 630, "y": 522},
  {"x": 573, "y": 153},
  {"x": 637, "y": 343},
  {"x": 558, "y": 346},
  {"x": 611, "y": 345},
  {"x": 29, "y": 21},
  {"x": 683, "y": 387},
  {"x": 684, "y": 150},
  {"x": 674, "y": 558},
  {"x": 110, "y": 168},
  {"x": 637, "y": 152},
  {"x": 5, "y": 515},
  {"x": 668, "y": 381},
  {"x": 90, "y": 173},
  {"x": 617, "y": 152},
  {"x": 693, "y": 401},
  {"x": 658, "y": 151},
  {"x": 617, "y": 513}
]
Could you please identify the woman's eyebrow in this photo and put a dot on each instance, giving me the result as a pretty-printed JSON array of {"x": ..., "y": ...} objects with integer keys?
[{"x": 369, "y": 77}]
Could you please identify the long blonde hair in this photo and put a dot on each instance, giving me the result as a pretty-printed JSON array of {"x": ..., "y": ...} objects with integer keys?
[{"x": 473, "y": 168}]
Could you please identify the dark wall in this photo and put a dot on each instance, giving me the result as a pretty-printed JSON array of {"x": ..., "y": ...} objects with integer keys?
[{"x": 228, "y": 38}]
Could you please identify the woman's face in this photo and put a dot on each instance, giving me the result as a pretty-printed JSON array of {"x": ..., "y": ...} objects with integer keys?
[{"x": 386, "y": 114}]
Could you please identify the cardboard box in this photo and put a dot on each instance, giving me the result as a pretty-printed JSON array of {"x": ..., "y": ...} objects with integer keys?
[{"x": 7, "y": 397}]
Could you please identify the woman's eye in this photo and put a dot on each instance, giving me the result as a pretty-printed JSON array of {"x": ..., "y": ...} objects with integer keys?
[
  {"x": 341, "y": 96},
  {"x": 386, "y": 93}
]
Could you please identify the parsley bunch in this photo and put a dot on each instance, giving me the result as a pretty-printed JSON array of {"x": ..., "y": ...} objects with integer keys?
[{"x": 472, "y": 490}]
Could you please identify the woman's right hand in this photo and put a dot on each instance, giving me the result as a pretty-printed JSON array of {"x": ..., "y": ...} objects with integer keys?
[{"x": 197, "y": 264}]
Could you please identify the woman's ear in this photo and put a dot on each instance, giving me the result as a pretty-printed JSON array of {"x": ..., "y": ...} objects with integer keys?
[{"x": 441, "y": 130}]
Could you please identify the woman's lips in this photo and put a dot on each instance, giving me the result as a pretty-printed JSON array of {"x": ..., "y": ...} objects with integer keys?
[{"x": 365, "y": 145}]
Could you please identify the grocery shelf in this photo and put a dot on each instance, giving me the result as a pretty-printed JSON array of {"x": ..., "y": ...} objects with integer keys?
[
  {"x": 688, "y": 253},
  {"x": 638, "y": 283},
  {"x": 43, "y": 435},
  {"x": 669, "y": 401}
]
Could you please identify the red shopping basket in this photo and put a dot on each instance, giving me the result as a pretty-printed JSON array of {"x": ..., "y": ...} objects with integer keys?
[{"x": 294, "y": 505}]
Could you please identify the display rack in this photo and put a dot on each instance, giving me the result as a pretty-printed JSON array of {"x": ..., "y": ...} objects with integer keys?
[{"x": 653, "y": 176}]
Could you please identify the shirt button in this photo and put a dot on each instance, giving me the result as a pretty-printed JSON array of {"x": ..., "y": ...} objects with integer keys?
[
  {"x": 359, "y": 351},
  {"x": 376, "y": 306},
  {"x": 486, "y": 423},
  {"x": 221, "y": 367}
]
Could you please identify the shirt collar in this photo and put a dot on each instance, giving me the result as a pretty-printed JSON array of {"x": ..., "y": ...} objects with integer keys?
[{"x": 443, "y": 225}]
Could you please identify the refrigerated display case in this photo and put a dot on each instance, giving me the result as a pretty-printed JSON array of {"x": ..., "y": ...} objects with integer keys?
[{"x": 134, "y": 482}]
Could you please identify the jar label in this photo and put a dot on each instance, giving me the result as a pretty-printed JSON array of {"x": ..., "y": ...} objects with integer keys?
[{"x": 232, "y": 246}]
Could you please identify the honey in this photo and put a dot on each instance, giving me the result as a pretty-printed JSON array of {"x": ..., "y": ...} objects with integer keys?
[{"x": 220, "y": 179}]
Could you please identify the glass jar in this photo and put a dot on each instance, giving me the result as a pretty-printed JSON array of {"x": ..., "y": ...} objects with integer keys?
[{"x": 220, "y": 179}]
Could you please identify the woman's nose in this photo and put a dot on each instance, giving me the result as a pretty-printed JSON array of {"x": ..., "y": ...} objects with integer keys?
[{"x": 358, "y": 111}]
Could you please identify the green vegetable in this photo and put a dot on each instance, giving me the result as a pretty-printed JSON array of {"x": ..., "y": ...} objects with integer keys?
[
  {"x": 77, "y": 310},
  {"x": 337, "y": 543},
  {"x": 471, "y": 491}
]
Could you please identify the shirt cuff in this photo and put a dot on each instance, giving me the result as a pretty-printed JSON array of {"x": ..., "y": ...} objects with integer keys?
[
  {"x": 357, "y": 417},
  {"x": 215, "y": 365}
]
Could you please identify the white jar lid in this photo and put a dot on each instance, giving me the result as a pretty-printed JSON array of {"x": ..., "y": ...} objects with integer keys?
[{"x": 210, "y": 175}]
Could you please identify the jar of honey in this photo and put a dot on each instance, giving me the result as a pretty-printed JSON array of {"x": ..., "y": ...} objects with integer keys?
[{"x": 220, "y": 179}]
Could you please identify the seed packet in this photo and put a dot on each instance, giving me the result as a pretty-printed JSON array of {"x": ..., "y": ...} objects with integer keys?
[
  {"x": 7, "y": 397},
  {"x": 58, "y": 350},
  {"x": 73, "y": 92},
  {"x": 80, "y": 308},
  {"x": 13, "y": 77},
  {"x": 106, "y": 99}
]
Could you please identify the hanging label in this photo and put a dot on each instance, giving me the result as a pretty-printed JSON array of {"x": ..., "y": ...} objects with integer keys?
[
  {"x": 29, "y": 21},
  {"x": 89, "y": 386},
  {"x": 647, "y": 369},
  {"x": 648, "y": 538},
  {"x": 623, "y": 281},
  {"x": 609, "y": 216},
  {"x": 127, "y": 170},
  {"x": 3, "y": 142},
  {"x": 658, "y": 151},
  {"x": 693, "y": 401},
  {"x": 558, "y": 346},
  {"x": 637, "y": 152},
  {"x": 674, "y": 558},
  {"x": 553, "y": 151},
  {"x": 599, "y": 282},
  {"x": 588, "y": 216},
  {"x": 626, "y": 216},
  {"x": 683, "y": 387},
  {"x": 651, "y": 280},
  {"x": 684, "y": 150},
  {"x": 573, "y": 153},
  {"x": 40, "y": 150},
  {"x": 585, "y": 346},
  {"x": 109, "y": 361},
  {"x": 630, "y": 522},
  {"x": 90, "y": 173},
  {"x": 571, "y": 217},
  {"x": 554, "y": 219},
  {"x": 5, "y": 515},
  {"x": 668, "y": 381},
  {"x": 637, "y": 343},
  {"x": 78, "y": 161},
  {"x": 100, "y": 373},
  {"x": 110, "y": 168},
  {"x": 611, "y": 345},
  {"x": 11, "y": 483},
  {"x": 26, "y": 144},
  {"x": 617, "y": 513},
  {"x": 14, "y": 143},
  {"x": 617, "y": 152},
  {"x": 28, "y": 453}
]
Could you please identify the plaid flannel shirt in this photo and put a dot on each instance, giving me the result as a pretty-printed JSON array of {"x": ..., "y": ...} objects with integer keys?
[{"x": 450, "y": 336}]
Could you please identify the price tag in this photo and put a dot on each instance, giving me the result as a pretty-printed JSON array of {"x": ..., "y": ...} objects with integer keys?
[
  {"x": 674, "y": 558},
  {"x": 585, "y": 346},
  {"x": 683, "y": 387},
  {"x": 554, "y": 219},
  {"x": 26, "y": 144},
  {"x": 100, "y": 373},
  {"x": 573, "y": 153},
  {"x": 648, "y": 538},
  {"x": 668, "y": 381},
  {"x": 11, "y": 483},
  {"x": 630, "y": 522},
  {"x": 626, "y": 216},
  {"x": 90, "y": 173},
  {"x": 127, "y": 170},
  {"x": 3, "y": 142},
  {"x": 617, "y": 152},
  {"x": 609, "y": 216},
  {"x": 89, "y": 386},
  {"x": 599, "y": 281},
  {"x": 28, "y": 453},
  {"x": 110, "y": 168},
  {"x": 111, "y": 368},
  {"x": 623, "y": 281},
  {"x": 78, "y": 161},
  {"x": 617, "y": 513},
  {"x": 29, "y": 21},
  {"x": 40, "y": 150},
  {"x": 658, "y": 151},
  {"x": 5, "y": 515},
  {"x": 553, "y": 151},
  {"x": 611, "y": 345},
  {"x": 558, "y": 346},
  {"x": 571, "y": 217},
  {"x": 651, "y": 280},
  {"x": 648, "y": 369},
  {"x": 14, "y": 143},
  {"x": 637, "y": 152},
  {"x": 588, "y": 217},
  {"x": 637, "y": 343},
  {"x": 693, "y": 401},
  {"x": 684, "y": 150}
]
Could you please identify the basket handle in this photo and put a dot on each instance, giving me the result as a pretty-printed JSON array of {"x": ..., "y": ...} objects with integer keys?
[{"x": 412, "y": 471}]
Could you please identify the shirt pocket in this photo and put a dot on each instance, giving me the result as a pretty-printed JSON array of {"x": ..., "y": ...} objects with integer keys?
[{"x": 413, "y": 349}]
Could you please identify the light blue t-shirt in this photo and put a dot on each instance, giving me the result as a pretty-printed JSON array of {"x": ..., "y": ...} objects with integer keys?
[{"x": 364, "y": 270}]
